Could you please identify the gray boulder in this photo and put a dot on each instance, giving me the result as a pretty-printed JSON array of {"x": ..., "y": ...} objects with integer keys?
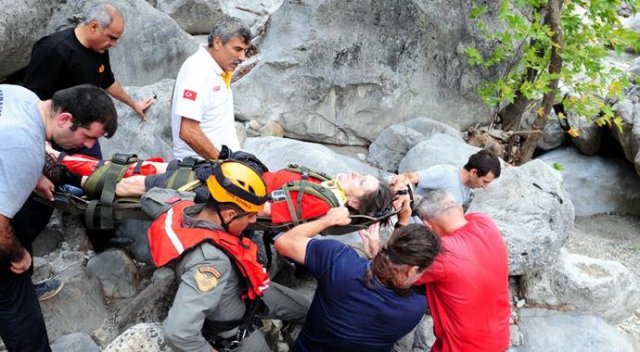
[
  {"x": 153, "y": 303},
  {"x": 151, "y": 137},
  {"x": 277, "y": 153},
  {"x": 602, "y": 288},
  {"x": 76, "y": 342},
  {"x": 533, "y": 212},
  {"x": 439, "y": 149},
  {"x": 337, "y": 79},
  {"x": 629, "y": 138},
  {"x": 147, "y": 337},
  {"x": 116, "y": 272},
  {"x": 595, "y": 184},
  {"x": 198, "y": 16},
  {"x": 393, "y": 143},
  {"x": 546, "y": 330},
  {"x": 77, "y": 308}
]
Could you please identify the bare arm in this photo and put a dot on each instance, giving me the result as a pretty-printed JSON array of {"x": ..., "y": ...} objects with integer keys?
[
  {"x": 11, "y": 249},
  {"x": 139, "y": 106},
  {"x": 131, "y": 186},
  {"x": 192, "y": 134},
  {"x": 293, "y": 243}
]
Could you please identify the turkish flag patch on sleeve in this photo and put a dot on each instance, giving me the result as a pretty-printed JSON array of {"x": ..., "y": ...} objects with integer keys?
[{"x": 189, "y": 94}]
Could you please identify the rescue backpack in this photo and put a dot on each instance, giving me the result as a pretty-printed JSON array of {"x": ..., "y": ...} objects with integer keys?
[{"x": 299, "y": 194}]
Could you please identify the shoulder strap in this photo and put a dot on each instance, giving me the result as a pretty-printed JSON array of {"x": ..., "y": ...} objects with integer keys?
[
  {"x": 302, "y": 187},
  {"x": 103, "y": 183},
  {"x": 305, "y": 170}
]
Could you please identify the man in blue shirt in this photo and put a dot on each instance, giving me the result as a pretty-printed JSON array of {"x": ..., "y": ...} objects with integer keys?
[{"x": 360, "y": 304}]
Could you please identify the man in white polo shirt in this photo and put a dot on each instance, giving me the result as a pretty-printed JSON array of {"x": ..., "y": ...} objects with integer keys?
[{"x": 202, "y": 118}]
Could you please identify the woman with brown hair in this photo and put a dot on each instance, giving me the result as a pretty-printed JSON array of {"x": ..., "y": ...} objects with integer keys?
[{"x": 360, "y": 304}]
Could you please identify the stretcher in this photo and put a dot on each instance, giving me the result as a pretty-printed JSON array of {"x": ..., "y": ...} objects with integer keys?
[{"x": 102, "y": 209}]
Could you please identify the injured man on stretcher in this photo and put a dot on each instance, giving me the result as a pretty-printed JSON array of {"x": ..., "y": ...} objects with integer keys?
[{"x": 296, "y": 193}]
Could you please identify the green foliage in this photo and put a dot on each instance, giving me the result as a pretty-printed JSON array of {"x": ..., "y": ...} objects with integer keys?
[
  {"x": 591, "y": 30},
  {"x": 557, "y": 167}
]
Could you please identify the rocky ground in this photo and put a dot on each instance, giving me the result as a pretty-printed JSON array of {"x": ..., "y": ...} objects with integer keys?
[{"x": 611, "y": 237}]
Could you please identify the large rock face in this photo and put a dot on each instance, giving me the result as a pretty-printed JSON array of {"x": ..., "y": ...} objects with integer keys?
[
  {"x": 20, "y": 27},
  {"x": 532, "y": 210},
  {"x": 78, "y": 307},
  {"x": 194, "y": 16},
  {"x": 340, "y": 71},
  {"x": 198, "y": 16},
  {"x": 152, "y": 46}
]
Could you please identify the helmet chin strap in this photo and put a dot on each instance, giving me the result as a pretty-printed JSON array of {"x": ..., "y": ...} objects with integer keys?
[{"x": 225, "y": 225}]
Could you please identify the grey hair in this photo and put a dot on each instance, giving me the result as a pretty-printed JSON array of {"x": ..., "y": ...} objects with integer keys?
[
  {"x": 228, "y": 28},
  {"x": 436, "y": 203},
  {"x": 103, "y": 13}
]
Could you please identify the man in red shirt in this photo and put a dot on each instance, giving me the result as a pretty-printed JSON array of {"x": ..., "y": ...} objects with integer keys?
[{"x": 467, "y": 285}]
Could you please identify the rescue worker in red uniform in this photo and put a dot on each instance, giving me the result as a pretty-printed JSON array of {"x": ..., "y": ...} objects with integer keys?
[{"x": 220, "y": 277}]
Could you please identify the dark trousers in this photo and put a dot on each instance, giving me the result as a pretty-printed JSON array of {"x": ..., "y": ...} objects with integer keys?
[{"x": 22, "y": 327}]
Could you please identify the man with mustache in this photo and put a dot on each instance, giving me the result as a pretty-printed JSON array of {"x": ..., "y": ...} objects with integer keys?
[
  {"x": 202, "y": 118},
  {"x": 81, "y": 55}
]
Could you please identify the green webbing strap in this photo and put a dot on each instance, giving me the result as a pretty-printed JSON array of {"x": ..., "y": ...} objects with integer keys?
[
  {"x": 110, "y": 179},
  {"x": 96, "y": 181},
  {"x": 89, "y": 215},
  {"x": 301, "y": 189},
  {"x": 183, "y": 175},
  {"x": 315, "y": 174},
  {"x": 323, "y": 193},
  {"x": 290, "y": 206}
]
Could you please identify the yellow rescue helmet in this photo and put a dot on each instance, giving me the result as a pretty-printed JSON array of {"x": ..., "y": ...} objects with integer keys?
[{"x": 235, "y": 182}]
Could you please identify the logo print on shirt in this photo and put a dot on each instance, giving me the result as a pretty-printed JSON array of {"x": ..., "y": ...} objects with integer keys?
[
  {"x": 189, "y": 94},
  {"x": 101, "y": 68},
  {"x": 216, "y": 88}
]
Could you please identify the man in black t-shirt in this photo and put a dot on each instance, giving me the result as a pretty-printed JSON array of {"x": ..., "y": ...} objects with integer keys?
[{"x": 80, "y": 55}]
